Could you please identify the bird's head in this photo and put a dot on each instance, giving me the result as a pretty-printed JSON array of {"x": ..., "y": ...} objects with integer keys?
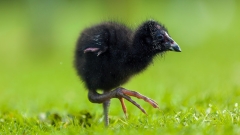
[{"x": 156, "y": 37}]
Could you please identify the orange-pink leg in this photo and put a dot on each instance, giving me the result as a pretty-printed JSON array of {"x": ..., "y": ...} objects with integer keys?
[{"x": 121, "y": 94}]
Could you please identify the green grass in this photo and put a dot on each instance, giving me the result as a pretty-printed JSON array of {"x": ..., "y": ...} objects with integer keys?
[{"x": 198, "y": 90}]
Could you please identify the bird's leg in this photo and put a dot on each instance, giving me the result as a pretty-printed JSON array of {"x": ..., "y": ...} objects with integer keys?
[
  {"x": 104, "y": 98},
  {"x": 121, "y": 94},
  {"x": 105, "y": 111}
]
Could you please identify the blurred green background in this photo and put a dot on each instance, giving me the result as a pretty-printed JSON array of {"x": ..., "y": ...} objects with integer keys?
[{"x": 37, "y": 41}]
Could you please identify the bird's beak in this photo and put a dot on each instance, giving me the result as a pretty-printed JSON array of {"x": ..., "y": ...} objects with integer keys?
[{"x": 175, "y": 47}]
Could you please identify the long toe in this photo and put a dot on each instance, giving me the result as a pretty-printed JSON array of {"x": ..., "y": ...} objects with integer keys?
[{"x": 124, "y": 93}]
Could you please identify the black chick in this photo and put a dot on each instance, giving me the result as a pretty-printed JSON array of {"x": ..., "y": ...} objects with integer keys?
[{"x": 108, "y": 54}]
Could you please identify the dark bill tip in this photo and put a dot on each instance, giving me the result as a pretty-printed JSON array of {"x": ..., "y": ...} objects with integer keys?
[{"x": 175, "y": 47}]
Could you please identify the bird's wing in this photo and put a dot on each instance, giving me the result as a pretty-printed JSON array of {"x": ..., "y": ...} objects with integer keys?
[{"x": 98, "y": 43}]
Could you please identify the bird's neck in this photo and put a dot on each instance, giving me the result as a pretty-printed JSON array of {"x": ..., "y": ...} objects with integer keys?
[{"x": 139, "y": 56}]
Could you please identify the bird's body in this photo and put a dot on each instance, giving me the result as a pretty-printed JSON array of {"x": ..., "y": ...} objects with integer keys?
[
  {"x": 108, "y": 54},
  {"x": 117, "y": 64}
]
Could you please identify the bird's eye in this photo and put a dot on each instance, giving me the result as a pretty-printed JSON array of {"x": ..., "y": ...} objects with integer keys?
[{"x": 160, "y": 37}]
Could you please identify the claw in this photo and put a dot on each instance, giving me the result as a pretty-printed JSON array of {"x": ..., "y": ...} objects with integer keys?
[
  {"x": 98, "y": 50},
  {"x": 91, "y": 50}
]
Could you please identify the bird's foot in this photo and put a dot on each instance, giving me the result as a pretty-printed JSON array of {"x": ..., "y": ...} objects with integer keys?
[{"x": 122, "y": 94}]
